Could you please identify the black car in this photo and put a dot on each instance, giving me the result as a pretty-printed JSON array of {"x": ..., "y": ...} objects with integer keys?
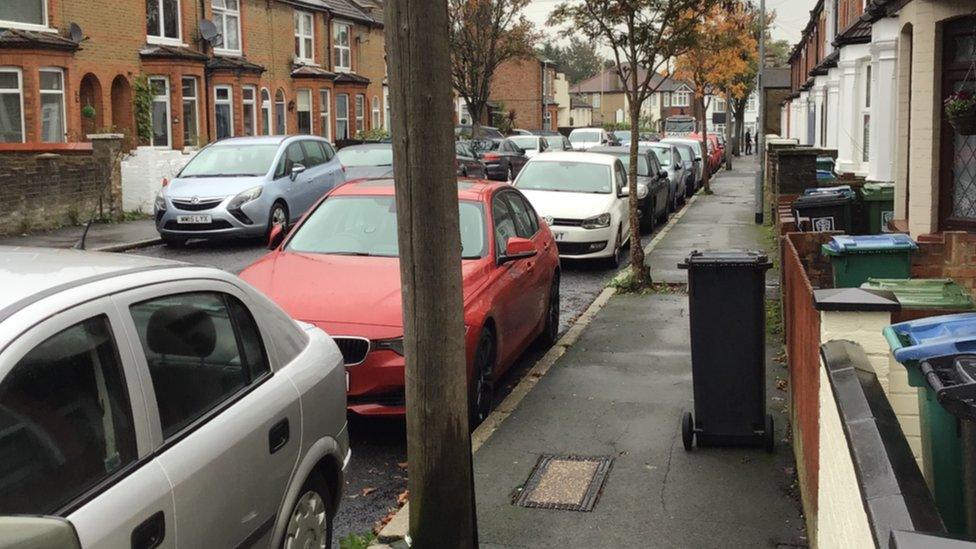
[
  {"x": 656, "y": 205},
  {"x": 503, "y": 159},
  {"x": 467, "y": 161},
  {"x": 464, "y": 131},
  {"x": 367, "y": 161}
]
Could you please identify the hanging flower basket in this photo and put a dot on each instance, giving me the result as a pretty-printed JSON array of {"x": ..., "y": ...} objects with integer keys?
[{"x": 960, "y": 109}]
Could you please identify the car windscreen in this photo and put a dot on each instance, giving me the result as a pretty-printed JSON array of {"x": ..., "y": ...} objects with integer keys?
[
  {"x": 685, "y": 153},
  {"x": 366, "y": 226},
  {"x": 231, "y": 161},
  {"x": 584, "y": 137},
  {"x": 642, "y": 168},
  {"x": 663, "y": 155},
  {"x": 566, "y": 176},
  {"x": 354, "y": 157},
  {"x": 526, "y": 142}
]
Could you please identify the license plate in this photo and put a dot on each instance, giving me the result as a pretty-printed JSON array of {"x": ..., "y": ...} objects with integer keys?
[
  {"x": 558, "y": 236},
  {"x": 194, "y": 219}
]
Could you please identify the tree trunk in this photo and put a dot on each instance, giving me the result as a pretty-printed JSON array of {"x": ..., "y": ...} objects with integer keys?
[
  {"x": 728, "y": 135},
  {"x": 740, "y": 116},
  {"x": 442, "y": 511},
  {"x": 641, "y": 273},
  {"x": 706, "y": 177}
]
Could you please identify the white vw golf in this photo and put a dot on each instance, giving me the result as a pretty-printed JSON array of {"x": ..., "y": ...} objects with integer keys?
[
  {"x": 147, "y": 403},
  {"x": 583, "y": 198}
]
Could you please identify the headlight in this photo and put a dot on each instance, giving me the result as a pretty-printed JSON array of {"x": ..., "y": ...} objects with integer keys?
[
  {"x": 160, "y": 201},
  {"x": 641, "y": 191},
  {"x": 244, "y": 198},
  {"x": 394, "y": 344},
  {"x": 597, "y": 222}
]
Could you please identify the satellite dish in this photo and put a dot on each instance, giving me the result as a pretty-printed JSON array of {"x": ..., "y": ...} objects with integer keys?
[
  {"x": 76, "y": 34},
  {"x": 210, "y": 33}
]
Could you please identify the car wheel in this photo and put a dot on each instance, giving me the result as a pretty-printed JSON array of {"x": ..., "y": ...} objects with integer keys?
[
  {"x": 310, "y": 520},
  {"x": 647, "y": 217},
  {"x": 614, "y": 260},
  {"x": 551, "y": 329},
  {"x": 277, "y": 216},
  {"x": 482, "y": 390},
  {"x": 173, "y": 241}
]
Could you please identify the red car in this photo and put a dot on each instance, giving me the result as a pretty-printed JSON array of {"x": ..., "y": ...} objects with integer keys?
[
  {"x": 714, "y": 151},
  {"x": 338, "y": 269}
]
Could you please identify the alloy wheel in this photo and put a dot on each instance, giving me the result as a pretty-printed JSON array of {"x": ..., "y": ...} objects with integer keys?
[
  {"x": 483, "y": 391},
  {"x": 308, "y": 526}
]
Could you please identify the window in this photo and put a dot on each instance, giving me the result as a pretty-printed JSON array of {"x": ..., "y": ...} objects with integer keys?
[
  {"x": 596, "y": 100},
  {"x": 526, "y": 221},
  {"x": 719, "y": 105},
  {"x": 341, "y": 52},
  {"x": 281, "y": 126},
  {"x": 265, "y": 111},
  {"x": 504, "y": 223},
  {"x": 11, "y": 106},
  {"x": 294, "y": 154},
  {"x": 25, "y": 14},
  {"x": 325, "y": 98},
  {"x": 52, "y": 106},
  {"x": 201, "y": 348},
  {"x": 360, "y": 113},
  {"x": 163, "y": 20},
  {"x": 249, "y": 110},
  {"x": 191, "y": 126},
  {"x": 654, "y": 100},
  {"x": 227, "y": 17},
  {"x": 304, "y": 37},
  {"x": 751, "y": 103},
  {"x": 866, "y": 116},
  {"x": 303, "y": 100},
  {"x": 375, "y": 120},
  {"x": 547, "y": 119},
  {"x": 224, "y": 111},
  {"x": 342, "y": 116},
  {"x": 67, "y": 421},
  {"x": 667, "y": 99},
  {"x": 314, "y": 154},
  {"x": 682, "y": 98},
  {"x": 387, "y": 123}
]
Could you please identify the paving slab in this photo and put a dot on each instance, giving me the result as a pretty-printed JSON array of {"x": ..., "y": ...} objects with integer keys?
[{"x": 101, "y": 236}]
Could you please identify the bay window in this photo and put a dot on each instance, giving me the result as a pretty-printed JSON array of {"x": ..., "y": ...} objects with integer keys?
[
  {"x": 326, "y": 100},
  {"x": 866, "y": 115},
  {"x": 360, "y": 113},
  {"x": 682, "y": 98},
  {"x": 52, "y": 106},
  {"x": 159, "y": 87},
  {"x": 224, "y": 111},
  {"x": 11, "y": 106},
  {"x": 342, "y": 52},
  {"x": 342, "y": 116},
  {"x": 303, "y": 104},
  {"x": 227, "y": 17},
  {"x": 163, "y": 20},
  {"x": 24, "y": 14},
  {"x": 191, "y": 126},
  {"x": 265, "y": 111},
  {"x": 304, "y": 37},
  {"x": 281, "y": 126},
  {"x": 375, "y": 120},
  {"x": 249, "y": 109}
]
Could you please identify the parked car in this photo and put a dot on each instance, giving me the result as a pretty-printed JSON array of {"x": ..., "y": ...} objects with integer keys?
[
  {"x": 367, "y": 160},
  {"x": 466, "y": 161},
  {"x": 621, "y": 137},
  {"x": 557, "y": 141},
  {"x": 670, "y": 159},
  {"x": 502, "y": 158},
  {"x": 464, "y": 132},
  {"x": 690, "y": 150},
  {"x": 586, "y": 138},
  {"x": 687, "y": 155},
  {"x": 714, "y": 155},
  {"x": 243, "y": 186},
  {"x": 531, "y": 144},
  {"x": 347, "y": 246},
  {"x": 656, "y": 205},
  {"x": 583, "y": 197},
  {"x": 520, "y": 131},
  {"x": 140, "y": 398}
]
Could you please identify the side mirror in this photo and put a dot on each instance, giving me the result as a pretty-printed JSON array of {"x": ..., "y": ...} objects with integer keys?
[
  {"x": 35, "y": 531},
  {"x": 518, "y": 248},
  {"x": 296, "y": 169},
  {"x": 663, "y": 174},
  {"x": 625, "y": 190},
  {"x": 276, "y": 236}
]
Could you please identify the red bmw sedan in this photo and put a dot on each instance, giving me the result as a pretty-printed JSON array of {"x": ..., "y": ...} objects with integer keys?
[{"x": 338, "y": 269}]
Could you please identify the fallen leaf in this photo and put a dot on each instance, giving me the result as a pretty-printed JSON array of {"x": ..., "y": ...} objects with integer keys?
[
  {"x": 402, "y": 498},
  {"x": 402, "y": 464},
  {"x": 368, "y": 490}
]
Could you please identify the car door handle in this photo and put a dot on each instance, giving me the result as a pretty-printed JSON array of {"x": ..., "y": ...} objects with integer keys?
[
  {"x": 278, "y": 436},
  {"x": 150, "y": 533}
]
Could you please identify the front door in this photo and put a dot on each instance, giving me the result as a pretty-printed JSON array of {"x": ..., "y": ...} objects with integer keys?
[{"x": 957, "y": 172}]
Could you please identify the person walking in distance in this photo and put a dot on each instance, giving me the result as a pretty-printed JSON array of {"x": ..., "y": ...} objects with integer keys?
[{"x": 748, "y": 143}]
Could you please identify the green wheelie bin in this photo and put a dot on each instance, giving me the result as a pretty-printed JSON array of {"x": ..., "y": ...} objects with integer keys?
[
  {"x": 858, "y": 258},
  {"x": 922, "y": 294},
  {"x": 927, "y": 343},
  {"x": 879, "y": 206}
]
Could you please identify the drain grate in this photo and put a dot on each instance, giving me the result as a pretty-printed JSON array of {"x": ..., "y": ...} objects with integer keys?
[{"x": 565, "y": 483}]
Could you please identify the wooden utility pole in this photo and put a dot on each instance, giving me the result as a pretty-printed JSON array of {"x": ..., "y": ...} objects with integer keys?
[{"x": 442, "y": 512}]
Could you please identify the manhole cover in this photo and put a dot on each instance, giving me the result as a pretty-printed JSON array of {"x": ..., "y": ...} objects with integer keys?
[{"x": 566, "y": 483}]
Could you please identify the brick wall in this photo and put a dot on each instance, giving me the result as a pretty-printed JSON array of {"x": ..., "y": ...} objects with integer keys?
[
  {"x": 796, "y": 170},
  {"x": 517, "y": 84}
]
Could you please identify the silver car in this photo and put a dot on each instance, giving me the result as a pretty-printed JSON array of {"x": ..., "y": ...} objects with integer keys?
[
  {"x": 241, "y": 187},
  {"x": 670, "y": 159},
  {"x": 140, "y": 398}
]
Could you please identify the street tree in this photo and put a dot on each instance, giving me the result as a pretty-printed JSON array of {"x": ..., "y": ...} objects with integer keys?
[
  {"x": 483, "y": 35},
  {"x": 440, "y": 482},
  {"x": 578, "y": 60},
  {"x": 643, "y": 36}
]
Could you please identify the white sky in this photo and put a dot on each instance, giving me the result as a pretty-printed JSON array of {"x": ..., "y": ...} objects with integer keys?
[{"x": 792, "y": 16}]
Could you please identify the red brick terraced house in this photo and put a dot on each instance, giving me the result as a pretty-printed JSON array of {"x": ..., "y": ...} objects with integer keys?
[{"x": 72, "y": 67}]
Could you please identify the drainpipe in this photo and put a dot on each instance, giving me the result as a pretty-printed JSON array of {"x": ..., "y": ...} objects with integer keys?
[{"x": 206, "y": 77}]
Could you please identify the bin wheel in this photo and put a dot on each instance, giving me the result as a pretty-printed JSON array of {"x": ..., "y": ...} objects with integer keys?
[
  {"x": 687, "y": 431},
  {"x": 770, "y": 434}
]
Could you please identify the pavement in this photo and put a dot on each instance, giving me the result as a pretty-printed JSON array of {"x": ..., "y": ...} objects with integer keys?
[
  {"x": 618, "y": 390},
  {"x": 106, "y": 237}
]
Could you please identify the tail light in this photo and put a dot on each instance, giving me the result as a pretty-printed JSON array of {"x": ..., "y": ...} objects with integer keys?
[
  {"x": 491, "y": 157},
  {"x": 165, "y": 181}
]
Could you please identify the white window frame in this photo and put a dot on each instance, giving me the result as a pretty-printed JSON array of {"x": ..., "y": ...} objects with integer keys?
[
  {"x": 31, "y": 26},
  {"x": 253, "y": 102},
  {"x": 166, "y": 40},
  {"x": 305, "y": 30},
  {"x": 267, "y": 119},
  {"x": 719, "y": 105},
  {"x": 282, "y": 107},
  {"x": 346, "y": 119},
  {"x": 682, "y": 98},
  {"x": 298, "y": 110},
  {"x": 864, "y": 117},
  {"x": 169, "y": 111},
  {"x": 374, "y": 120},
  {"x": 196, "y": 109},
  {"x": 20, "y": 93},
  {"x": 325, "y": 112},
  {"x": 597, "y": 100},
  {"x": 338, "y": 48},
  {"x": 223, "y": 14},
  {"x": 228, "y": 101},
  {"x": 359, "y": 104},
  {"x": 667, "y": 99},
  {"x": 387, "y": 121},
  {"x": 64, "y": 109},
  {"x": 751, "y": 103}
]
